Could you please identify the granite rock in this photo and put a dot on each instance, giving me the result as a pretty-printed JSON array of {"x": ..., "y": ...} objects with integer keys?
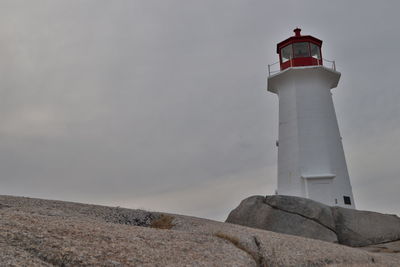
[
  {"x": 358, "y": 228},
  {"x": 308, "y": 218},
  {"x": 36, "y": 232},
  {"x": 256, "y": 212},
  {"x": 307, "y": 208}
]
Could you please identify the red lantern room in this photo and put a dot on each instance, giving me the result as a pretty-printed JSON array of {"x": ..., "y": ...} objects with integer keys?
[{"x": 299, "y": 50}]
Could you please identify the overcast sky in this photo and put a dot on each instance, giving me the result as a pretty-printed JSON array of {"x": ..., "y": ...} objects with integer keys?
[{"x": 162, "y": 105}]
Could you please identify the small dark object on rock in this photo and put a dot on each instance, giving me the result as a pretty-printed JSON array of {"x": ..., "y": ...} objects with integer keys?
[{"x": 129, "y": 217}]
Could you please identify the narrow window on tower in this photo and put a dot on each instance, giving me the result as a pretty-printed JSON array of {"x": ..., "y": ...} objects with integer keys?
[
  {"x": 301, "y": 49},
  {"x": 347, "y": 200},
  {"x": 286, "y": 53}
]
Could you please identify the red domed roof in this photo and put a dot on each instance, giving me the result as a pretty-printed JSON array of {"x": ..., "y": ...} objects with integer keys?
[{"x": 298, "y": 38}]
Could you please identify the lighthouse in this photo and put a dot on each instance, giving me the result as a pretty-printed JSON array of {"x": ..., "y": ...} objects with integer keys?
[{"x": 311, "y": 161}]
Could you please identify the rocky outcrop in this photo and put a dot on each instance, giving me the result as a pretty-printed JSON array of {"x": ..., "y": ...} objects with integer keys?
[
  {"x": 37, "y": 232},
  {"x": 358, "y": 228},
  {"x": 308, "y": 218},
  {"x": 256, "y": 212},
  {"x": 304, "y": 207}
]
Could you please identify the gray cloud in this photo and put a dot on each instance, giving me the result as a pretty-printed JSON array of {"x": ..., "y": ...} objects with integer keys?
[{"x": 162, "y": 104}]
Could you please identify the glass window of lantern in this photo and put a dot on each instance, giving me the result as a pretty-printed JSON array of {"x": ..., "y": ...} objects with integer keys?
[
  {"x": 315, "y": 51},
  {"x": 286, "y": 53},
  {"x": 301, "y": 49}
]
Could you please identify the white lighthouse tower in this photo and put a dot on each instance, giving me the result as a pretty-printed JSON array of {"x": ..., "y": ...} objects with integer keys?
[{"x": 311, "y": 161}]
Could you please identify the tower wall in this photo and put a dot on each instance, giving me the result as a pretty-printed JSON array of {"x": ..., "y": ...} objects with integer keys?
[{"x": 311, "y": 161}]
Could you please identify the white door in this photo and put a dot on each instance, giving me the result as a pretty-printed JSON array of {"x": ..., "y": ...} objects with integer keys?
[{"x": 320, "y": 190}]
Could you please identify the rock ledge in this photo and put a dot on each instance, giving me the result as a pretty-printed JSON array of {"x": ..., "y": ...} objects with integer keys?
[{"x": 308, "y": 218}]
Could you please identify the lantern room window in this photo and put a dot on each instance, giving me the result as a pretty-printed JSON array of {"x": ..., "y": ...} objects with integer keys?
[
  {"x": 301, "y": 49},
  {"x": 315, "y": 53},
  {"x": 286, "y": 53}
]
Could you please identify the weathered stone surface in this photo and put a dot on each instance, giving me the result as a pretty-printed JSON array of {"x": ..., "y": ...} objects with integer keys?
[
  {"x": 391, "y": 249},
  {"x": 361, "y": 228},
  {"x": 46, "y": 233},
  {"x": 308, "y": 218},
  {"x": 255, "y": 212},
  {"x": 305, "y": 207}
]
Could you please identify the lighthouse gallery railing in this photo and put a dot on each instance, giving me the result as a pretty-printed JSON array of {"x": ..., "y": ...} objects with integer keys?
[{"x": 275, "y": 67}]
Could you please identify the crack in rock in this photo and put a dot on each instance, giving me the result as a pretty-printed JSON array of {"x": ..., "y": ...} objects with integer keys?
[
  {"x": 236, "y": 242},
  {"x": 301, "y": 215},
  {"x": 262, "y": 262}
]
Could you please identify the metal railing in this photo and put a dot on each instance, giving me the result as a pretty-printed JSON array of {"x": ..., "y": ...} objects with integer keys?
[
  {"x": 275, "y": 67},
  {"x": 331, "y": 64},
  {"x": 273, "y": 70}
]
